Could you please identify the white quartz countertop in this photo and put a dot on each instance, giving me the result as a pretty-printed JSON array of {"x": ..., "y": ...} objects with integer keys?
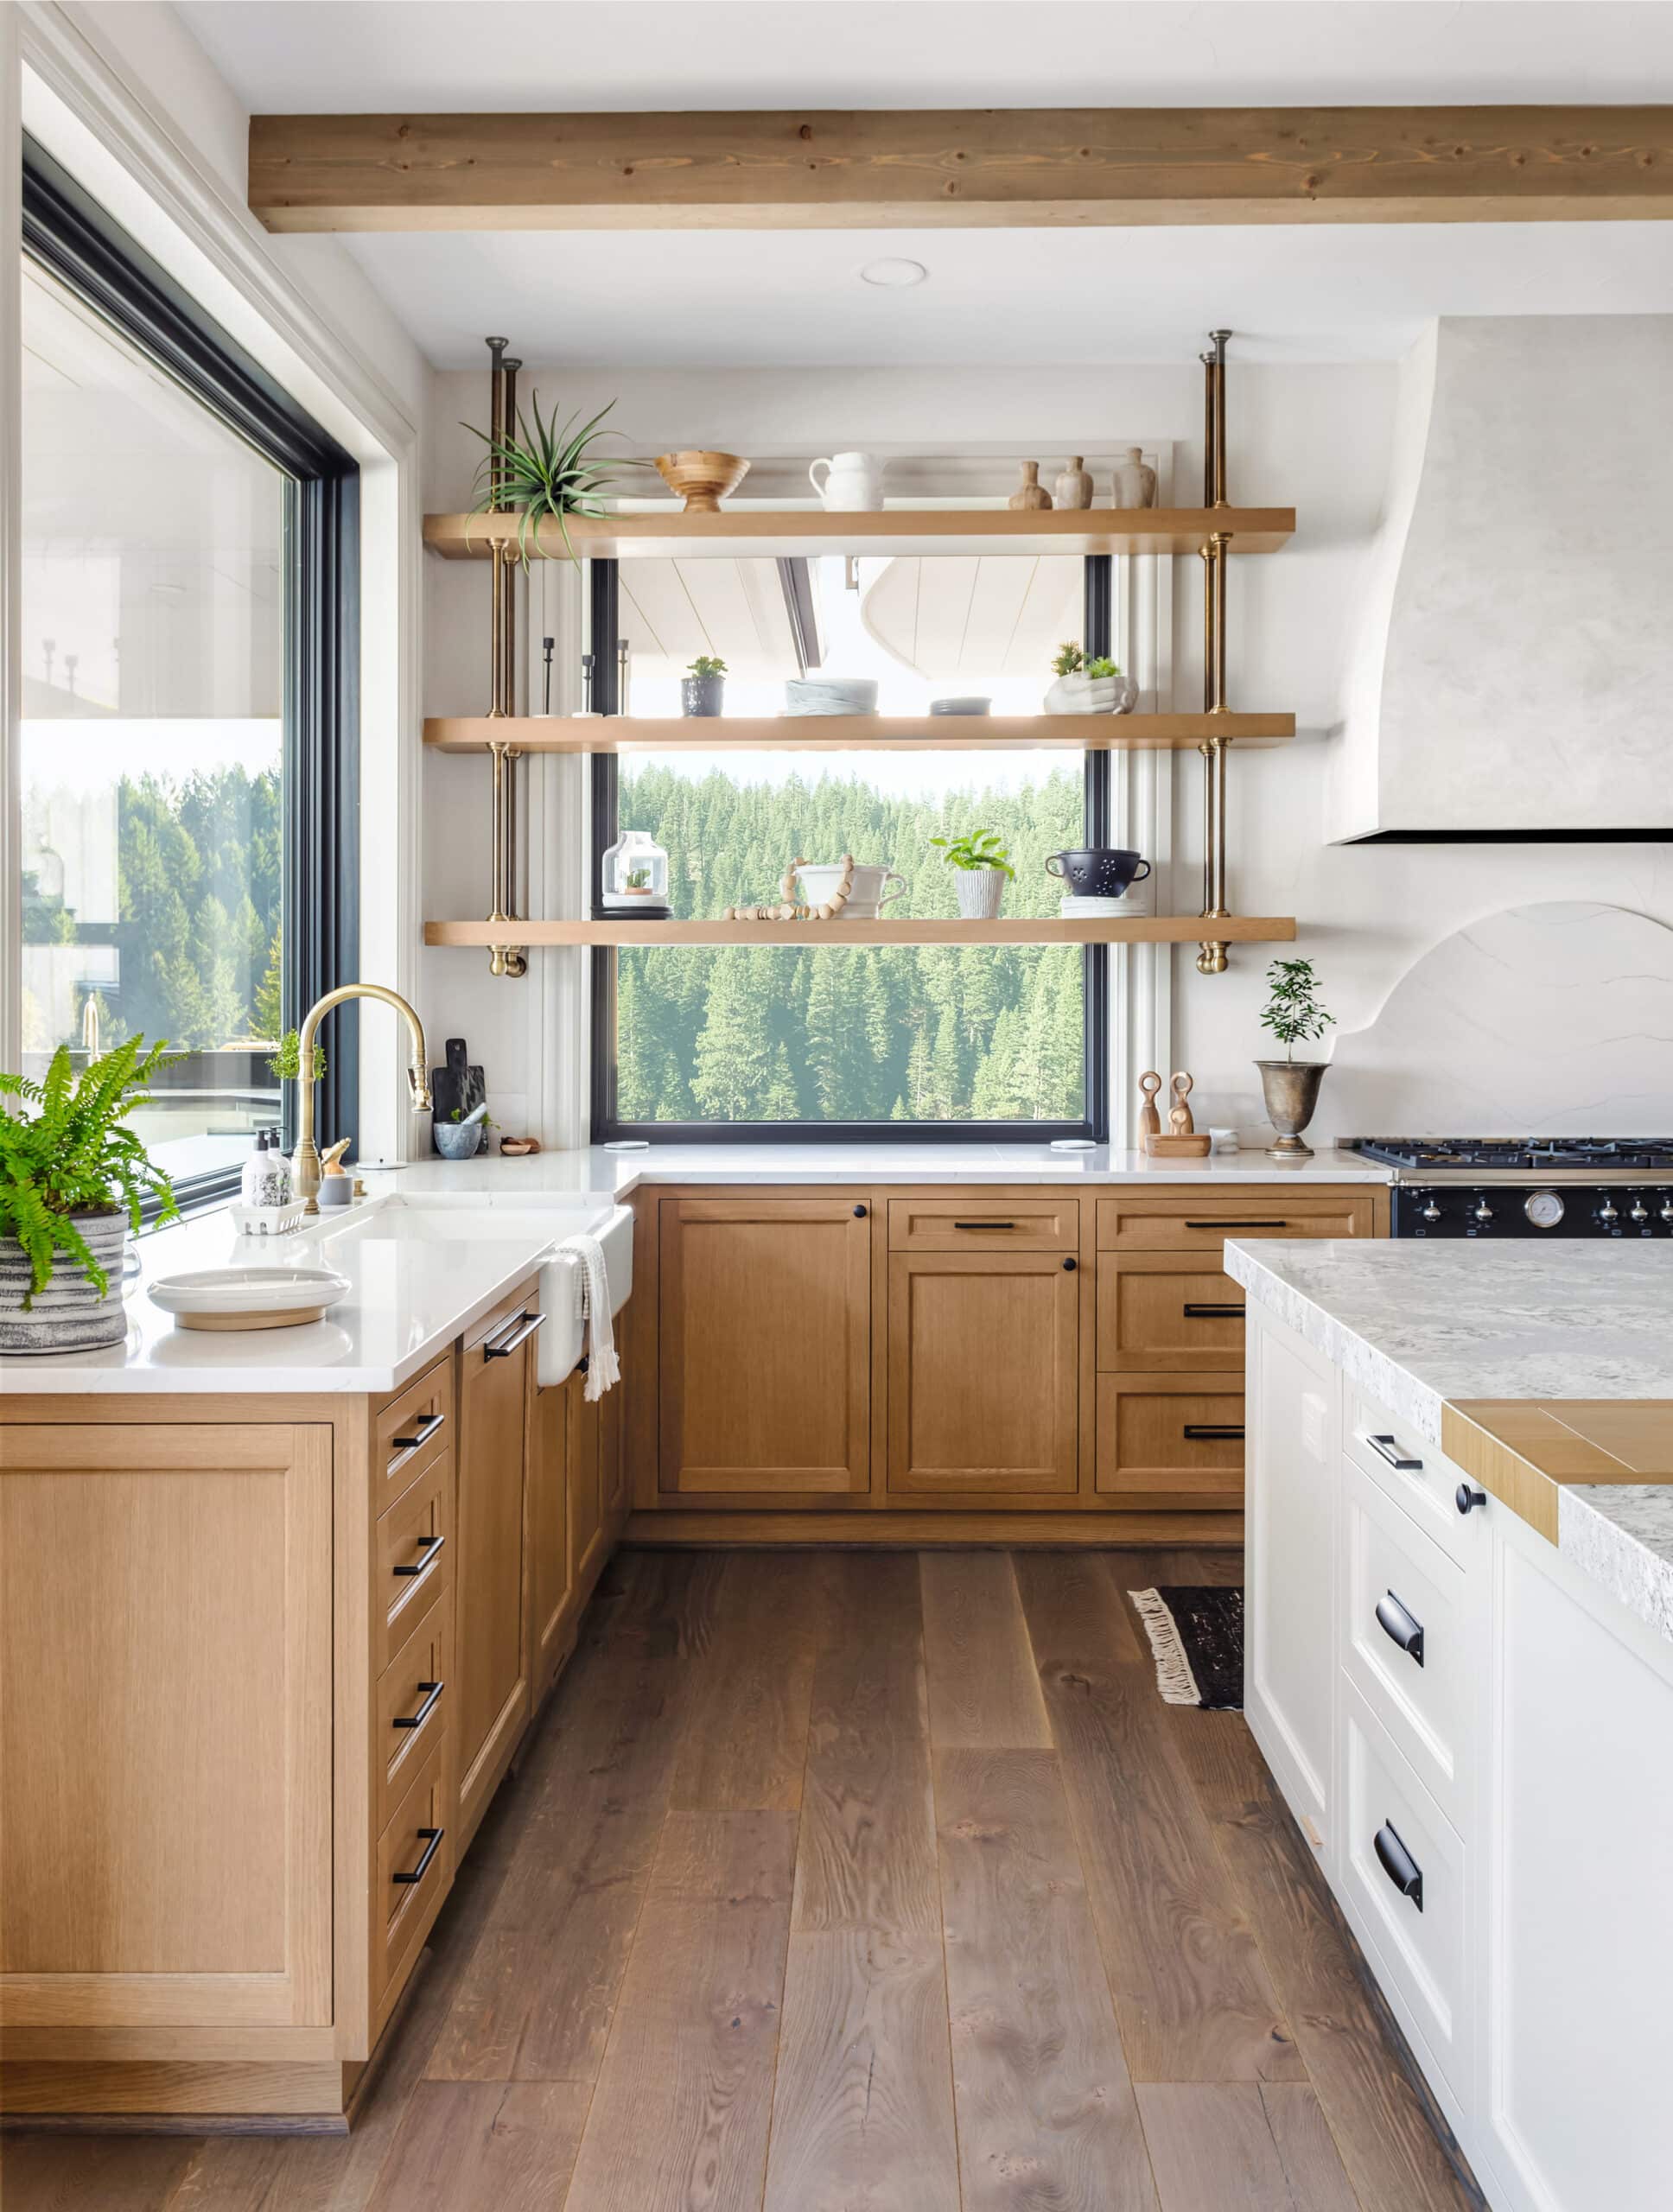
[{"x": 1414, "y": 1324}]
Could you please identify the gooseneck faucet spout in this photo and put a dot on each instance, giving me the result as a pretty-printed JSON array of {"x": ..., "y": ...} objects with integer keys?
[{"x": 307, "y": 1150}]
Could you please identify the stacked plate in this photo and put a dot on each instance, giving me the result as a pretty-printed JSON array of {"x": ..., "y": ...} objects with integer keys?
[
  {"x": 1137, "y": 898},
  {"x": 830, "y": 694}
]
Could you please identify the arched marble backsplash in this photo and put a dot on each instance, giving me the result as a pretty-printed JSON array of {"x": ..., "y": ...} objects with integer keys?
[{"x": 1554, "y": 1019}]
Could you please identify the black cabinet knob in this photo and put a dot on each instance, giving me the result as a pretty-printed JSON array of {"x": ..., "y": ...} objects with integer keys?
[
  {"x": 859, "y": 1213},
  {"x": 1464, "y": 1497},
  {"x": 1069, "y": 1267}
]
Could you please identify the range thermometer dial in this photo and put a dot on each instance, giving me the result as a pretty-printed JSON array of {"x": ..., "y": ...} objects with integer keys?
[{"x": 1543, "y": 1208}]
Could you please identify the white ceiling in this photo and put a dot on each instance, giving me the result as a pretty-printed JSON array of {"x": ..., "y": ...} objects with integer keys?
[{"x": 998, "y": 297}]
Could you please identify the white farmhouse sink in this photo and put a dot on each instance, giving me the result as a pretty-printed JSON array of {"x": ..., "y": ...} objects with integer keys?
[{"x": 560, "y": 1343}]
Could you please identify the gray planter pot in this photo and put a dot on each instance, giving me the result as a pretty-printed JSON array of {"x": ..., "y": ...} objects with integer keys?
[
  {"x": 701, "y": 694},
  {"x": 1291, "y": 1090},
  {"x": 68, "y": 1315}
]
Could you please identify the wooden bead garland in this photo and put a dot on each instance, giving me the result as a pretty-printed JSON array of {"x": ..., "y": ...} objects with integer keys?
[{"x": 790, "y": 908}]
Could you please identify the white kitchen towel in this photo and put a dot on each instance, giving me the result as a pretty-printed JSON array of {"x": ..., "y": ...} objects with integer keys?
[{"x": 592, "y": 1305}]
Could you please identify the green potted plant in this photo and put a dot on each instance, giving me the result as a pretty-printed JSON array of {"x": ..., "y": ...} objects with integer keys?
[
  {"x": 73, "y": 1180},
  {"x": 1083, "y": 686},
  {"x": 983, "y": 866},
  {"x": 540, "y": 470},
  {"x": 704, "y": 686},
  {"x": 1294, "y": 1016}
]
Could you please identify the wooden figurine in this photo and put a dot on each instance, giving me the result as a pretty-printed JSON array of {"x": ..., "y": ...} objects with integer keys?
[
  {"x": 1149, "y": 1119},
  {"x": 1182, "y": 1141}
]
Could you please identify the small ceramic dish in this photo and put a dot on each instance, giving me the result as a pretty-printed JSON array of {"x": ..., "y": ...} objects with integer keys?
[{"x": 248, "y": 1297}]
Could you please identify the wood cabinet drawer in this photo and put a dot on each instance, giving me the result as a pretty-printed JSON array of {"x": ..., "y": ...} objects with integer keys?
[
  {"x": 1179, "y": 1221},
  {"x": 1161, "y": 1315},
  {"x": 413, "y": 1700},
  {"x": 1394, "y": 1834},
  {"x": 413, "y": 1559},
  {"x": 994, "y": 1223},
  {"x": 415, "y": 1869},
  {"x": 1178, "y": 1434},
  {"x": 1410, "y": 1641},
  {"x": 415, "y": 1427}
]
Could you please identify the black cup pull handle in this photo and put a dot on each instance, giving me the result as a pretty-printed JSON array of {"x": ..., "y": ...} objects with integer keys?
[
  {"x": 1237, "y": 1225},
  {"x": 432, "y": 1842},
  {"x": 421, "y": 1435},
  {"x": 1397, "y": 1863},
  {"x": 418, "y": 1720},
  {"x": 1212, "y": 1433},
  {"x": 1401, "y": 1627},
  {"x": 1386, "y": 1448},
  {"x": 432, "y": 1546},
  {"x": 520, "y": 1330},
  {"x": 1212, "y": 1312}
]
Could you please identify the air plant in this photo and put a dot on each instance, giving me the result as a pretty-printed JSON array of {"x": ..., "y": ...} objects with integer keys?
[{"x": 541, "y": 469}]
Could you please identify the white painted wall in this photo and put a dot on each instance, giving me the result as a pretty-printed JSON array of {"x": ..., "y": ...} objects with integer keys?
[{"x": 1320, "y": 438}]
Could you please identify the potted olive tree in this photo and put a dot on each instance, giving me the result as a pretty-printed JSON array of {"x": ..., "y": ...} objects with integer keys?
[
  {"x": 72, "y": 1180},
  {"x": 703, "y": 689},
  {"x": 985, "y": 868},
  {"x": 1294, "y": 1016}
]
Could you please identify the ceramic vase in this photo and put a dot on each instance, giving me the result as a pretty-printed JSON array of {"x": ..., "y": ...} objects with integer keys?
[
  {"x": 979, "y": 890},
  {"x": 1291, "y": 1090},
  {"x": 1073, "y": 488},
  {"x": 1030, "y": 496},
  {"x": 1135, "y": 481},
  {"x": 1091, "y": 695},
  {"x": 70, "y": 1314}
]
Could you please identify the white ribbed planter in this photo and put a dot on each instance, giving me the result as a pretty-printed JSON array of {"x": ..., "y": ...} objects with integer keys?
[
  {"x": 68, "y": 1315},
  {"x": 979, "y": 890}
]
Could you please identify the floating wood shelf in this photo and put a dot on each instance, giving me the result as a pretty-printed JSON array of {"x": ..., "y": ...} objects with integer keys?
[
  {"x": 848, "y": 733},
  {"x": 1140, "y": 929},
  {"x": 743, "y": 534}
]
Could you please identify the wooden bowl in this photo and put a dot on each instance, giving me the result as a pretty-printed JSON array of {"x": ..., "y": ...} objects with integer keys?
[{"x": 702, "y": 479}]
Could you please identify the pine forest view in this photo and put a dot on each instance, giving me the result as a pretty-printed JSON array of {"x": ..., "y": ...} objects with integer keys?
[{"x": 906, "y": 1033}]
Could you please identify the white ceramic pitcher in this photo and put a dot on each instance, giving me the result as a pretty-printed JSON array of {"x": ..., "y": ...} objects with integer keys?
[{"x": 853, "y": 482}]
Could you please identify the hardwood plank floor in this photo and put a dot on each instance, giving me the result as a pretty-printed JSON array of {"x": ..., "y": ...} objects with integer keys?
[{"x": 860, "y": 1883}]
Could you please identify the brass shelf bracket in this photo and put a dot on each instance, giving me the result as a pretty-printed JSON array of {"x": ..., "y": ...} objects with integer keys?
[
  {"x": 508, "y": 958},
  {"x": 1212, "y": 952}
]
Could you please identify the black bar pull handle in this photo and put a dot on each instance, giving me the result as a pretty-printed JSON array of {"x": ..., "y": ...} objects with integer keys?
[
  {"x": 1401, "y": 1627},
  {"x": 1386, "y": 1448},
  {"x": 1212, "y": 1433},
  {"x": 432, "y": 1840},
  {"x": 418, "y": 1720},
  {"x": 421, "y": 1435},
  {"x": 1212, "y": 1312},
  {"x": 432, "y": 1546},
  {"x": 521, "y": 1330},
  {"x": 1397, "y": 1863},
  {"x": 984, "y": 1224},
  {"x": 1237, "y": 1225}
]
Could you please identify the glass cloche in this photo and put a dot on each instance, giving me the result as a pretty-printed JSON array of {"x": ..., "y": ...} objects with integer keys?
[{"x": 633, "y": 878}]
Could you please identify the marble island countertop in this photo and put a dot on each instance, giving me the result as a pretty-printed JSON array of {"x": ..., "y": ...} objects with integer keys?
[{"x": 1424, "y": 1327}]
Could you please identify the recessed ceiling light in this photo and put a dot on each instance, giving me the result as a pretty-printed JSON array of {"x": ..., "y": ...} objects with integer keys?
[{"x": 893, "y": 271}]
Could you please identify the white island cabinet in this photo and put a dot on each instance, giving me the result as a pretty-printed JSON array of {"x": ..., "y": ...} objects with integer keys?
[{"x": 1476, "y": 1738}]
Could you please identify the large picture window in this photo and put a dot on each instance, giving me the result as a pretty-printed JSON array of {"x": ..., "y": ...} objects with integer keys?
[
  {"x": 862, "y": 1042},
  {"x": 187, "y": 744}
]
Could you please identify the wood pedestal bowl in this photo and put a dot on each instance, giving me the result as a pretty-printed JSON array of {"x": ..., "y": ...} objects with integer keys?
[{"x": 702, "y": 479}]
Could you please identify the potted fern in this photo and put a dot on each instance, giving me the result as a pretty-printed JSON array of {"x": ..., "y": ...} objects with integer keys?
[
  {"x": 1294, "y": 1016},
  {"x": 540, "y": 470},
  {"x": 1083, "y": 686},
  {"x": 73, "y": 1180},
  {"x": 703, "y": 689},
  {"x": 985, "y": 868}
]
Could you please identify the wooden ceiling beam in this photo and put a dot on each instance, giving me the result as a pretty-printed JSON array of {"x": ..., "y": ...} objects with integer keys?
[{"x": 827, "y": 169}]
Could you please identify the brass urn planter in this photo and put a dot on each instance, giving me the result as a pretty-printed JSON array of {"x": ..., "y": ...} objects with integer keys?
[{"x": 1291, "y": 1090}]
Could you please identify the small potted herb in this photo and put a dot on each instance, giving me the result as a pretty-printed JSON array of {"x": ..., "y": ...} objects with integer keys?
[
  {"x": 1088, "y": 686},
  {"x": 72, "y": 1180},
  {"x": 704, "y": 686},
  {"x": 983, "y": 866},
  {"x": 1294, "y": 1016}
]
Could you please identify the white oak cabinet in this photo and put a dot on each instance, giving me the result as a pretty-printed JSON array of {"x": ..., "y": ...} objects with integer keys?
[{"x": 1474, "y": 1737}]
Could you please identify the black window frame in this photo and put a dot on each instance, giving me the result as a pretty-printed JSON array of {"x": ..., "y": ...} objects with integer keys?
[
  {"x": 607, "y": 1126},
  {"x": 67, "y": 232}
]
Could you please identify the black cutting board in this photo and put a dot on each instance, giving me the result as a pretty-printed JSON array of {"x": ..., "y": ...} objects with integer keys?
[{"x": 457, "y": 1084}]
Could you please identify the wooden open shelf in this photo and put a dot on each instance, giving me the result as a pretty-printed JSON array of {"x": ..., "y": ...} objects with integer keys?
[
  {"x": 852, "y": 733},
  {"x": 1139, "y": 929},
  {"x": 743, "y": 534}
]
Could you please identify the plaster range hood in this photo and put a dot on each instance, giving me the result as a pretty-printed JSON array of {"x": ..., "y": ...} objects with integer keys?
[{"x": 1513, "y": 678}]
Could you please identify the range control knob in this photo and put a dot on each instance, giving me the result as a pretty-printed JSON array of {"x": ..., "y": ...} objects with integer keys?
[
  {"x": 1432, "y": 1212},
  {"x": 1607, "y": 1211},
  {"x": 1483, "y": 1210},
  {"x": 1667, "y": 1210},
  {"x": 1640, "y": 1212}
]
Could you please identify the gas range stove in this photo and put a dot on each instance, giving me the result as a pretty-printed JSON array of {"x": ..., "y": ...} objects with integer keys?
[{"x": 1527, "y": 1186}]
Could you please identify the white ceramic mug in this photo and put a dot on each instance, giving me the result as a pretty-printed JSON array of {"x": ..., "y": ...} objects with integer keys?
[
  {"x": 817, "y": 881},
  {"x": 853, "y": 482}
]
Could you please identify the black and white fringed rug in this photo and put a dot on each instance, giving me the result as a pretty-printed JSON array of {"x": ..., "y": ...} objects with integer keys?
[{"x": 1197, "y": 1636}]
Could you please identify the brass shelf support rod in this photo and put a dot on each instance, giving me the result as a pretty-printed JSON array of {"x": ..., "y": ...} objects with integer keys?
[
  {"x": 504, "y": 959},
  {"x": 1211, "y": 952}
]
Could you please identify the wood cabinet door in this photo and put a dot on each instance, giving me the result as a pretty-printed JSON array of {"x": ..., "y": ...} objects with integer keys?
[
  {"x": 765, "y": 1325},
  {"x": 491, "y": 1653},
  {"x": 165, "y": 1724},
  {"x": 983, "y": 1372},
  {"x": 549, "y": 1564}
]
